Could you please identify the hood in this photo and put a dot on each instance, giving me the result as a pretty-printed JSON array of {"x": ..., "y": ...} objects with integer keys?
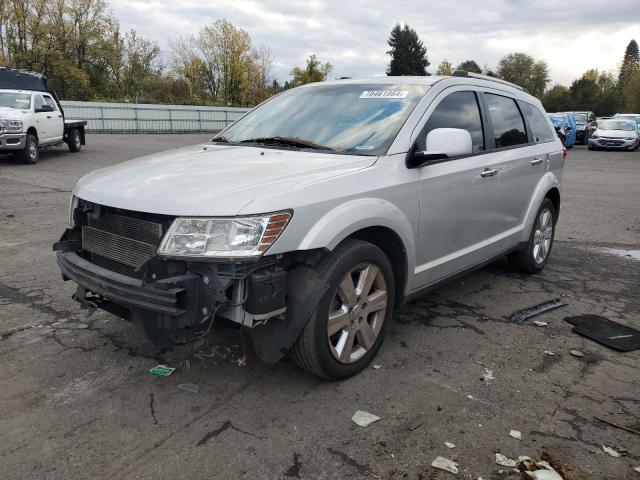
[
  {"x": 7, "y": 113},
  {"x": 210, "y": 180},
  {"x": 614, "y": 133}
]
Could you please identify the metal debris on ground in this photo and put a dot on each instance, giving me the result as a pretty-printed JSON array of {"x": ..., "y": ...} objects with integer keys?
[
  {"x": 549, "y": 352},
  {"x": 377, "y": 367},
  {"x": 505, "y": 461},
  {"x": 576, "y": 353},
  {"x": 540, "y": 323},
  {"x": 515, "y": 434},
  {"x": 445, "y": 464},
  {"x": 417, "y": 423},
  {"x": 540, "y": 470},
  {"x": 521, "y": 316},
  {"x": 189, "y": 387},
  {"x": 162, "y": 370},
  {"x": 242, "y": 361},
  {"x": 611, "y": 451},
  {"x": 637, "y": 469},
  {"x": 450, "y": 445},
  {"x": 606, "y": 332},
  {"x": 488, "y": 375},
  {"x": 364, "y": 419}
]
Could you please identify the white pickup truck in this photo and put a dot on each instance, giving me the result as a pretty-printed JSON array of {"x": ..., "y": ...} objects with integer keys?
[{"x": 32, "y": 118}]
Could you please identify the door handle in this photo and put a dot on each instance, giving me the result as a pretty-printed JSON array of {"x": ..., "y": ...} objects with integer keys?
[
  {"x": 489, "y": 172},
  {"x": 536, "y": 161},
  {"x": 48, "y": 116}
]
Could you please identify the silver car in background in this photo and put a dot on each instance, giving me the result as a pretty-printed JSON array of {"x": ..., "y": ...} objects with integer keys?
[
  {"x": 615, "y": 134},
  {"x": 313, "y": 217}
]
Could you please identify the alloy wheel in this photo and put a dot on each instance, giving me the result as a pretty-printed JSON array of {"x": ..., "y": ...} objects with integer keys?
[
  {"x": 357, "y": 313},
  {"x": 542, "y": 236}
]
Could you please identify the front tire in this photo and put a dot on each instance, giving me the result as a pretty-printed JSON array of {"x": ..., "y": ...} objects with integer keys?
[
  {"x": 351, "y": 319},
  {"x": 534, "y": 256},
  {"x": 30, "y": 154}
]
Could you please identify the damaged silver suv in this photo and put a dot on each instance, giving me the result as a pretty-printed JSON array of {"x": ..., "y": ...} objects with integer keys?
[{"x": 320, "y": 211}]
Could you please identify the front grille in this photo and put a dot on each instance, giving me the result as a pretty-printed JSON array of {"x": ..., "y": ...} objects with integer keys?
[
  {"x": 121, "y": 241},
  {"x": 610, "y": 142}
]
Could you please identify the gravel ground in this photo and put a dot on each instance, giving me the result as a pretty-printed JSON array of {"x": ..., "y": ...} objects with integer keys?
[{"x": 76, "y": 401}]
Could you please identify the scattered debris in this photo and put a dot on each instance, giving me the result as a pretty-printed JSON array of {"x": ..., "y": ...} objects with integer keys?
[
  {"x": 505, "y": 461},
  {"x": 488, "y": 375},
  {"x": 470, "y": 397},
  {"x": 540, "y": 323},
  {"x": 450, "y": 445},
  {"x": 635, "y": 429},
  {"x": 242, "y": 361},
  {"x": 549, "y": 352},
  {"x": 544, "y": 475},
  {"x": 364, "y": 419},
  {"x": 604, "y": 331},
  {"x": 377, "y": 367},
  {"x": 162, "y": 370},
  {"x": 637, "y": 469},
  {"x": 189, "y": 387},
  {"x": 540, "y": 470},
  {"x": 445, "y": 464},
  {"x": 515, "y": 434},
  {"x": 611, "y": 451},
  {"x": 576, "y": 353},
  {"x": 524, "y": 314},
  {"x": 417, "y": 423}
]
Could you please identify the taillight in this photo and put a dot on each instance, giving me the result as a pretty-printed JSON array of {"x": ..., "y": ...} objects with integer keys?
[{"x": 564, "y": 152}]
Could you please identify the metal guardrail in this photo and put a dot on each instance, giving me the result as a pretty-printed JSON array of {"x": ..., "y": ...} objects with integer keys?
[{"x": 142, "y": 118}]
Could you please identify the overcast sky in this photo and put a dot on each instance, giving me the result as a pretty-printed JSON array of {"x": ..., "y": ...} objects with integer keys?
[{"x": 571, "y": 36}]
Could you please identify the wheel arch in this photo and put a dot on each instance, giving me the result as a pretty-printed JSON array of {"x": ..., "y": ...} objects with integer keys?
[
  {"x": 32, "y": 131},
  {"x": 548, "y": 187}
]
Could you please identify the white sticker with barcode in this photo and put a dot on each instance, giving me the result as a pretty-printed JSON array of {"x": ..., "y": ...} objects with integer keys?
[{"x": 384, "y": 94}]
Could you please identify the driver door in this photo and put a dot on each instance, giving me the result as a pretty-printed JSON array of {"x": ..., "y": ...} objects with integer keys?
[
  {"x": 41, "y": 119},
  {"x": 55, "y": 123},
  {"x": 457, "y": 196}
]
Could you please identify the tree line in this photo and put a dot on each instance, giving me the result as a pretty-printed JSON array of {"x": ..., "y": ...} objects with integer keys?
[
  {"x": 79, "y": 46},
  {"x": 603, "y": 92}
]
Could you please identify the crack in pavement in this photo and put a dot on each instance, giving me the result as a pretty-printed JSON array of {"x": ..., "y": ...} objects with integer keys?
[{"x": 225, "y": 426}]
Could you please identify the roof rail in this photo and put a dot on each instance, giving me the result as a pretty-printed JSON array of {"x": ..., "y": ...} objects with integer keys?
[{"x": 463, "y": 73}]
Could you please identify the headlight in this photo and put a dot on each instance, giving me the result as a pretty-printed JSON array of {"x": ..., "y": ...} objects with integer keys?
[
  {"x": 595, "y": 135},
  {"x": 13, "y": 126},
  {"x": 223, "y": 237},
  {"x": 72, "y": 206}
]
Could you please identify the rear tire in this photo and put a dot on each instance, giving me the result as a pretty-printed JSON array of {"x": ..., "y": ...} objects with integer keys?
[
  {"x": 351, "y": 319},
  {"x": 30, "y": 154},
  {"x": 74, "y": 141},
  {"x": 534, "y": 256}
]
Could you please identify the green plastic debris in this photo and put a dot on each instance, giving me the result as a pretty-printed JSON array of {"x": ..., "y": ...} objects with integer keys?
[{"x": 161, "y": 370}]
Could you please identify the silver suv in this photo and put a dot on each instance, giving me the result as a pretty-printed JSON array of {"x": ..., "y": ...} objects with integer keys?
[{"x": 316, "y": 214}]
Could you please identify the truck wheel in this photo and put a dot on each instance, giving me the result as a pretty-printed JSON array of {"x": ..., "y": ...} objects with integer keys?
[
  {"x": 351, "y": 319},
  {"x": 30, "y": 153},
  {"x": 534, "y": 256},
  {"x": 74, "y": 140}
]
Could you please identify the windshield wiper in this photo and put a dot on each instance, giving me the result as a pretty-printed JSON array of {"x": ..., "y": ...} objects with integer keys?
[
  {"x": 291, "y": 142},
  {"x": 219, "y": 139}
]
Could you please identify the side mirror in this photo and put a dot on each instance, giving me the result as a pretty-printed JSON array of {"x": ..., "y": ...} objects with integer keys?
[
  {"x": 442, "y": 144},
  {"x": 44, "y": 108}
]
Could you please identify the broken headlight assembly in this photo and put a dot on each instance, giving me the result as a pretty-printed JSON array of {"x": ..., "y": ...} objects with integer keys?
[{"x": 223, "y": 237}]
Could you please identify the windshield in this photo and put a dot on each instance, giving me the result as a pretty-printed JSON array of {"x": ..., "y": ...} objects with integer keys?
[
  {"x": 356, "y": 119},
  {"x": 626, "y": 125},
  {"x": 581, "y": 117},
  {"x": 21, "y": 101}
]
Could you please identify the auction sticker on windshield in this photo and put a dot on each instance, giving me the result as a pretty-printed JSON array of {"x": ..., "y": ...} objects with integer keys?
[{"x": 384, "y": 94}]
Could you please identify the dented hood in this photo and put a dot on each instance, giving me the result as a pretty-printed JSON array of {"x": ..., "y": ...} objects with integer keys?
[{"x": 212, "y": 180}]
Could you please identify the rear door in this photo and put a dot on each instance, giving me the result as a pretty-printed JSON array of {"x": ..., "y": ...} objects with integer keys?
[
  {"x": 457, "y": 196},
  {"x": 520, "y": 160},
  {"x": 55, "y": 123}
]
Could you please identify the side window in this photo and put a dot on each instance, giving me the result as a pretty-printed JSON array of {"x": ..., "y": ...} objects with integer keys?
[
  {"x": 538, "y": 123},
  {"x": 508, "y": 125},
  {"x": 49, "y": 101},
  {"x": 457, "y": 110},
  {"x": 37, "y": 102}
]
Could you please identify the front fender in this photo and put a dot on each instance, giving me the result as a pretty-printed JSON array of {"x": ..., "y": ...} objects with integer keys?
[
  {"x": 354, "y": 215},
  {"x": 546, "y": 183}
]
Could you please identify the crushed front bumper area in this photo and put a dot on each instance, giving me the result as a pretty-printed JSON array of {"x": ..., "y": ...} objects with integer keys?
[{"x": 12, "y": 141}]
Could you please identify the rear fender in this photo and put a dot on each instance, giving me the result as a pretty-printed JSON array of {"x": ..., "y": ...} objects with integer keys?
[{"x": 546, "y": 183}]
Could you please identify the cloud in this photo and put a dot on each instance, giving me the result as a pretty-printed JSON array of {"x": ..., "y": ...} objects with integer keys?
[{"x": 352, "y": 34}]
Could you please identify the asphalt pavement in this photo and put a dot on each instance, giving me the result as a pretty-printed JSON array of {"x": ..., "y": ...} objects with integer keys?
[{"x": 76, "y": 400}]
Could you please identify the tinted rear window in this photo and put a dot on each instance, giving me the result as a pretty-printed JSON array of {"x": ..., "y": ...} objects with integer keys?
[
  {"x": 538, "y": 123},
  {"x": 508, "y": 125}
]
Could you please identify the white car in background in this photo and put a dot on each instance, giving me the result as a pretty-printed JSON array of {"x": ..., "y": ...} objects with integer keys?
[{"x": 615, "y": 134}]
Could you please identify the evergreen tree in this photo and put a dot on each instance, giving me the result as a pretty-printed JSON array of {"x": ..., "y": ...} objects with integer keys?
[
  {"x": 630, "y": 64},
  {"x": 408, "y": 54}
]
